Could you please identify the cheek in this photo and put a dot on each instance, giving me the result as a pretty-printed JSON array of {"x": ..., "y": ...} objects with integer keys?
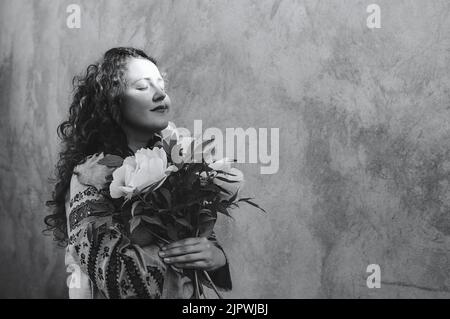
[
  {"x": 137, "y": 101},
  {"x": 134, "y": 107}
]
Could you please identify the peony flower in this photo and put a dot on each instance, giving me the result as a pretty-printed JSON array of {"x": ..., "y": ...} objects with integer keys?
[
  {"x": 170, "y": 133},
  {"x": 185, "y": 149},
  {"x": 93, "y": 173},
  {"x": 235, "y": 176},
  {"x": 192, "y": 150},
  {"x": 147, "y": 167}
]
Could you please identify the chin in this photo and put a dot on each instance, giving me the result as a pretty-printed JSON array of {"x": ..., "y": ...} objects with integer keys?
[{"x": 160, "y": 124}]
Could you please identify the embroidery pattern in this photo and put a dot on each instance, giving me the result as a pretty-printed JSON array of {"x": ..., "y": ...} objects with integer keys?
[
  {"x": 157, "y": 275},
  {"x": 92, "y": 261},
  {"x": 136, "y": 281},
  {"x": 87, "y": 209},
  {"x": 125, "y": 287},
  {"x": 89, "y": 191},
  {"x": 112, "y": 276}
]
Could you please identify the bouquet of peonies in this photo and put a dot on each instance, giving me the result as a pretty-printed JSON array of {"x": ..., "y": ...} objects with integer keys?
[{"x": 176, "y": 189}]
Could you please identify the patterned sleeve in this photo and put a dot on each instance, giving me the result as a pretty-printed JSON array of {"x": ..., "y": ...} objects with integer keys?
[
  {"x": 116, "y": 267},
  {"x": 221, "y": 277}
]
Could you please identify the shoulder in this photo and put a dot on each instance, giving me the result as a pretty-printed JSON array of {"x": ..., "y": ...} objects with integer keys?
[
  {"x": 88, "y": 187},
  {"x": 92, "y": 173}
]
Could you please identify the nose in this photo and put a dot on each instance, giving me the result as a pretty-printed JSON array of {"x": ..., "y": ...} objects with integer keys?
[{"x": 158, "y": 96}]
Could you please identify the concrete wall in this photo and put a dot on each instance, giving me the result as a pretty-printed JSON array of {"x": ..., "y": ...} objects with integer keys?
[{"x": 364, "y": 133}]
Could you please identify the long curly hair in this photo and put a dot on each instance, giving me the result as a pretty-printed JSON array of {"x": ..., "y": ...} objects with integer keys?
[{"x": 93, "y": 126}]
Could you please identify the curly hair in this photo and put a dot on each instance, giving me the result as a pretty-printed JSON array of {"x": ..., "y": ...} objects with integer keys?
[{"x": 93, "y": 126}]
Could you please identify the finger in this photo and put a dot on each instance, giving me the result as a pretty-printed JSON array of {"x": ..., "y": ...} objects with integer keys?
[
  {"x": 185, "y": 258},
  {"x": 182, "y": 250},
  {"x": 192, "y": 265},
  {"x": 186, "y": 241},
  {"x": 183, "y": 242}
]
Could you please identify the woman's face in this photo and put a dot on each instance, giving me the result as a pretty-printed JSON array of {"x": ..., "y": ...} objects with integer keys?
[{"x": 146, "y": 107}]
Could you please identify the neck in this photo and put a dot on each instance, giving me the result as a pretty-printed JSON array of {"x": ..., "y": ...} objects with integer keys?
[{"x": 137, "y": 140}]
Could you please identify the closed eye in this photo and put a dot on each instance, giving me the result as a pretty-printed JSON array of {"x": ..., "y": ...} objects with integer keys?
[{"x": 142, "y": 88}]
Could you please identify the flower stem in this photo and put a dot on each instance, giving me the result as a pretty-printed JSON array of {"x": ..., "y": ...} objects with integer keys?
[
  {"x": 212, "y": 284},
  {"x": 196, "y": 287},
  {"x": 196, "y": 281},
  {"x": 159, "y": 237},
  {"x": 205, "y": 273}
]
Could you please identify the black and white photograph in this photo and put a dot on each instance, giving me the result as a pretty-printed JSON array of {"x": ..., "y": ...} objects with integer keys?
[{"x": 225, "y": 149}]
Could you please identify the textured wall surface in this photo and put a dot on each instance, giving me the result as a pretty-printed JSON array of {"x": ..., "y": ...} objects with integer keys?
[{"x": 364, "y": 133}]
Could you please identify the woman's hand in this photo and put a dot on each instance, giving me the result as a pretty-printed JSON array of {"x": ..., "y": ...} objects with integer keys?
[{"x": 193, "y": 253}]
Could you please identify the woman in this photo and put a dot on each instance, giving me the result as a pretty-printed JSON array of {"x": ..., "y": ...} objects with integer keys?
[{"x": 119, "y": 106}]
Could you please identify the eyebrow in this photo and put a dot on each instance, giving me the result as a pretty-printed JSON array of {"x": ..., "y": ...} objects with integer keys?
[{"x": 159, "y": 79}]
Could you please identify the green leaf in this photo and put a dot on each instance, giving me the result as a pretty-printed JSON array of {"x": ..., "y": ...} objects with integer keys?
[
  {"x": 167, "y": 196},
  {"x": 125, "y": 202},
  {"x": 233, "y": 198},
  {"x": 222, "y": 210},
  {"x": 225, "y": 173},
  {"x": 207, "y": 219},
  {"x": 205, "y": 211},
  {"x": 154, "y": 220},
  {"x": 225, "y": 179},
  {"x": 172, "y": 233},
  {"x": 211, "y": 187},
  {"x": 248, "y": 201},
  {"x": 223, "y": 190},
  {"x": 206, "y": 228},
  {"x": 134, "y": 208},
  {"x": 168, "y": 145},
  {"x": 184, "y": 223},
  {"x": 201, "y": 148},
  {"x": 111, "y": 160},
  {"x": 134, "y": 222},
  {"x": 150, "y": 188}
]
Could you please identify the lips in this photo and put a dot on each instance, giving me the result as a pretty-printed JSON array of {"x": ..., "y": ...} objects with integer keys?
[{"x": 160, "y": 108}]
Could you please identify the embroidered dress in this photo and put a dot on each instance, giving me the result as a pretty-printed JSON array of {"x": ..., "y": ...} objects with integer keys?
[{"x": 105, "y": 263}]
